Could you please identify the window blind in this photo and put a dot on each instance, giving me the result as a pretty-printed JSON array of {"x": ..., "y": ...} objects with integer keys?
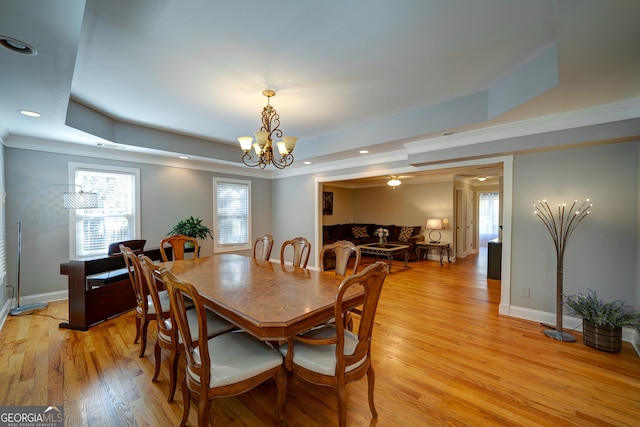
[{"x": 232, "y": 214}]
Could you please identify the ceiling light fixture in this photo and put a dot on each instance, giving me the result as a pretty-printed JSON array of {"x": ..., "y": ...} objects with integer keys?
[
  {"x": 264, "y": 140},
  {"x": 29, "y": 113},
  {"x": 17, "y": 46},
  {"x": 393, "y": 181},
  {"x": 482, "y": 178}
]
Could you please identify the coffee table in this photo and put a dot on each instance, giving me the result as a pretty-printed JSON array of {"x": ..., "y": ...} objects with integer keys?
[{"x": 388, "y": 251}]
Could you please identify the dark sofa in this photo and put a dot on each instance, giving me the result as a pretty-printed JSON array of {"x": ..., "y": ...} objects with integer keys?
[{"x": 333, "y": 233}]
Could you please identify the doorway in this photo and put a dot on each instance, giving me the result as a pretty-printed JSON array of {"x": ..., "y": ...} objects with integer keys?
[{"x": 488, "y": 216}]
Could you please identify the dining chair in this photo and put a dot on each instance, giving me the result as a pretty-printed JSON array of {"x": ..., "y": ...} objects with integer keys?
[
  {"x": 168, "y": 337},
  {"x": 145, "y": 309},
  {"x": 177, "y": 242},
  {"x": 301, "y": 250},
  {"x": 225, "y": 365},
  {"x": 334, "y": 356},
  {"x": 262, "y": 247},
  {"x": 343, "y": 250}
]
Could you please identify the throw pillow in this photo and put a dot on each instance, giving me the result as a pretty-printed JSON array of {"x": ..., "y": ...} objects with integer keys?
[
  {"x": 359, "y": 232},
  {"x": 405, "y": 233}
]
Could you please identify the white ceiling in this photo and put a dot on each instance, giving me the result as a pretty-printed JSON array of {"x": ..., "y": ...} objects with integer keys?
[{"x": 349, "y": 75}]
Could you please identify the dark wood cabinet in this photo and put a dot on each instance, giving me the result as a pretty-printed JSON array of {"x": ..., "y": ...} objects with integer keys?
[{"x": 494, "y": 259}]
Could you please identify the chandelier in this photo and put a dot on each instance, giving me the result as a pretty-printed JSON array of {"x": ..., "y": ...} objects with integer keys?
[{"x": 263, "y": 146}]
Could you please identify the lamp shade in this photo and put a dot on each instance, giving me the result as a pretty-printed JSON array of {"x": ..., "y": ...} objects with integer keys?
[
  {"x": 433, "y": 224},
  {"x": 80, "y": 200}
]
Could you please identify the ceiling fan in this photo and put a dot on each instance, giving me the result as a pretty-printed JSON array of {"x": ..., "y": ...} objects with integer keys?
[{"x": 394, "y": 180}]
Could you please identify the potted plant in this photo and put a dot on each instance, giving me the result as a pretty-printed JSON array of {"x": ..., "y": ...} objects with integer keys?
[
  {"x": 602, "y": 321},
  {"x": 192, "y": 227}
]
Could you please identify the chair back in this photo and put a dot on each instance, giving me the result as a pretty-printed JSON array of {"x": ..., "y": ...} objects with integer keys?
[
  {"x": 343, "y": 250},
  {"x": 181, "y": 293},
  {"x": 177, "y": 242},
  {"x": 164, "y": 318},
  {"x": 262, "y": 247},
  {"x": 301, "y": 251},
  {"x": 135, "y": 275},
  {"x": 371, "y": 279}
]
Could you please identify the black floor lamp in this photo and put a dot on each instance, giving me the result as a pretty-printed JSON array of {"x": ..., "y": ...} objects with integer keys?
[{"x": 74, "y": 200}]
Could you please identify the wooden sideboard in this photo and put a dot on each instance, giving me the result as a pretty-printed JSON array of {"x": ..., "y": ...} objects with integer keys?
[{"x": 99, "y": 289}]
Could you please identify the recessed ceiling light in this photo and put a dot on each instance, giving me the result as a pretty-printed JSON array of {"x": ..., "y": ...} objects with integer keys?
[
  {"x": 17, "y": 46},
  {"x": 307, "y": 163},
  {"x": 183, "y": 157},
  {"x": 29, "y": 113},
  {"x": 364, "y": 151},
  {"x": 482, "y": 178}
]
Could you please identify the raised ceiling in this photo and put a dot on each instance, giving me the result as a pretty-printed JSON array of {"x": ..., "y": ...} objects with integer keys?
[{"x": 364, "y": 74}]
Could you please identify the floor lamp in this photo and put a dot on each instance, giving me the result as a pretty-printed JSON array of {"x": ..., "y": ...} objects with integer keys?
[
  {"x": 561, "y": 227},
  {"x": 75, "y": 200}
]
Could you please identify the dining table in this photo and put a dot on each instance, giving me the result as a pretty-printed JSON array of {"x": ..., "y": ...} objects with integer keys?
[{"x": 271, "y": 301}]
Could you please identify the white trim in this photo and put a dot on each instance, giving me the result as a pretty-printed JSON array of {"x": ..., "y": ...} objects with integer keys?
[
  {"x": 569, "y": 323},
  {"x": 588, "y": 117},
  {"x": 136, "y": 154}
]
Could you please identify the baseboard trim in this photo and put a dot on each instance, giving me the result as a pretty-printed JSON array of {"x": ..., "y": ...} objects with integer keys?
[{"x": 568, "y": 323}]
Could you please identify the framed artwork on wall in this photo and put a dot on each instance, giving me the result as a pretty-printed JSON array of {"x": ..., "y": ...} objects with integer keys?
[{"x": 327, "y": 203}]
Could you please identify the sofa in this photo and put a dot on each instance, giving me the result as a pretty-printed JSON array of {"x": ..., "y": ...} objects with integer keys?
[{"x": 361, "y": 234}]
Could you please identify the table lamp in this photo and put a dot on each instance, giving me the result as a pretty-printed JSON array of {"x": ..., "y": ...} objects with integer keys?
[{"x": 434, "y": 224}]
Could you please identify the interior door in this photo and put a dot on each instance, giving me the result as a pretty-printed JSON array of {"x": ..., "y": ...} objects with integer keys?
[{"x": 469, "y": 223}]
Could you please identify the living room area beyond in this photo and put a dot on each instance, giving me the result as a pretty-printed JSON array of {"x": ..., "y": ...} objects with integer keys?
[{"x": 359, "y": 207}]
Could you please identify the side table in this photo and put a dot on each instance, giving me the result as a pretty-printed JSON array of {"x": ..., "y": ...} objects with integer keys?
[{"x": 440, "y": 247}]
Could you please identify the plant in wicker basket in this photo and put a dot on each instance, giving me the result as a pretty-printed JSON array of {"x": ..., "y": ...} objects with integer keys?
[{"x": 602, "y": 321}]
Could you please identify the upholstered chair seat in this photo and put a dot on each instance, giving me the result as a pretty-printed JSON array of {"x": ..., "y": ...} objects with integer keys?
[
  {"x": 235, "y": 357},
  {"x": 322, "y": 359}
]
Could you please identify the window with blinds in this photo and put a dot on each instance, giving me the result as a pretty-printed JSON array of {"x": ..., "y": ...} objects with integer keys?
[
  {"x": 232, "y": 219},
  {"x": 115, "y": 219}
]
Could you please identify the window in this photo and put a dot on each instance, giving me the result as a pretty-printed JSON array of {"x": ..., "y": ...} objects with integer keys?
[
  {"x": 115, "y": 219},
  {"x": 232, "y": 214},
  {"x": 489, "y": 213}
]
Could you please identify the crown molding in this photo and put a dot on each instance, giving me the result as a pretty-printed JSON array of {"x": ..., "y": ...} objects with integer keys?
[{"x": 591, "y": 116}]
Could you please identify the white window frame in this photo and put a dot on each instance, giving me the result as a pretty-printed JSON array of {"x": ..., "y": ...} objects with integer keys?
[
  {"x": 102, "y": 168},
  {"x": 217, "y": 247}
]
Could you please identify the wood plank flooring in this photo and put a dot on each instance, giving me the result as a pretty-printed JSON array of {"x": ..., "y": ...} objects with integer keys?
[{"x": 442, "y": 354}]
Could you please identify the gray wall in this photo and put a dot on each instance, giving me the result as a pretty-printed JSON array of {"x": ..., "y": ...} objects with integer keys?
[
  {"x": 168, "y": 194},
  {"x": 601, "y": 254}
]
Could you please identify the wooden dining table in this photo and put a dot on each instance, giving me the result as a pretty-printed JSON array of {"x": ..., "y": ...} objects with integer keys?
[{"x": 269, "y": 300}]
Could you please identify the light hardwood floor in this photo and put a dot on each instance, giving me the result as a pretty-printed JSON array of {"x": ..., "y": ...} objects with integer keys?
[{"x": 442, "y": 355}]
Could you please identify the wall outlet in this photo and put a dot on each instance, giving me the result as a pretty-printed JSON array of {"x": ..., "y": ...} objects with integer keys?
[{"x": 525, "y": 291}]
